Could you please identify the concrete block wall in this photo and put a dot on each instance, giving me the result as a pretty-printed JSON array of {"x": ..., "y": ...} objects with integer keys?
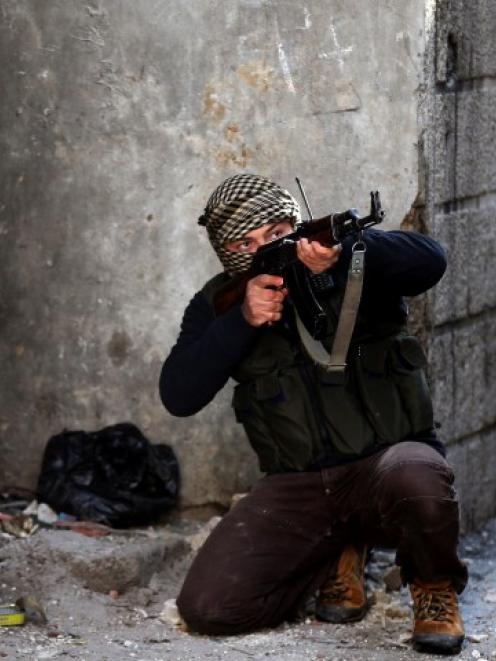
[{"x": 459, "y": 120}]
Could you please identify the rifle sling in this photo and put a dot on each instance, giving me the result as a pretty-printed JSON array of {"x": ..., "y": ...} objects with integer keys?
[{"x": 335, "y": 362}]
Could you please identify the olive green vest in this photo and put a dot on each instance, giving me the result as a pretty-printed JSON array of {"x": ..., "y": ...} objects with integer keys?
[{"x": 295, "y": 414}]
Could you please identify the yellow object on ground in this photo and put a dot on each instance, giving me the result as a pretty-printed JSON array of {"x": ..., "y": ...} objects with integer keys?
[{"x": 11, "y": 616}]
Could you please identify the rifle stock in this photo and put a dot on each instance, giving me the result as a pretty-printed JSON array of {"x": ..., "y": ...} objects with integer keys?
[{"x": 231, "y": 293}]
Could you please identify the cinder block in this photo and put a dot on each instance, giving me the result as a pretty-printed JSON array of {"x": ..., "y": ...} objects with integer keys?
[
  {"x": 475, "y": 162},
  {"x": 488, "y": 377},
  {"x": 463, "y": 376},
  {"x": 443, "y": 382},
  {"x": 475, "y": 456},
  {"x": 443, "y": 151},
  {"x": 468, "y": 358},
  {"x": 465, "y": 36},
  {"x": 449, "y": 297},
  {"x": 467, "y": 287},
  {"x": 463, "y": 150}
]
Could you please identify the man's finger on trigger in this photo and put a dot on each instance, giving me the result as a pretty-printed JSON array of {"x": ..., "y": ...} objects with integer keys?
[
  {"x": 322, "y": 251},
  {"x": 267, "y": 280}
]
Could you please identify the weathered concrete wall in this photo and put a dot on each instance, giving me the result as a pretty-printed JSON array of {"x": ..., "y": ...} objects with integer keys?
[
  {"x": 459, "y": 119},
  {"x": 117, "y": 120}
]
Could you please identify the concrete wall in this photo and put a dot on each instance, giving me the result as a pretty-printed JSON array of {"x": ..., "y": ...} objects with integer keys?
[
  {"x": 117, "y": 121},
  {"x": 459, "y": 124}
]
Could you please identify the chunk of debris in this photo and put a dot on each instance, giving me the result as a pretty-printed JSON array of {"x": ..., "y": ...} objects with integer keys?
[{"x": 170, "y": 614}]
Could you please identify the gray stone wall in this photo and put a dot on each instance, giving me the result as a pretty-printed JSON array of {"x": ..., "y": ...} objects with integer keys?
[{"x": 459, "y": 121}]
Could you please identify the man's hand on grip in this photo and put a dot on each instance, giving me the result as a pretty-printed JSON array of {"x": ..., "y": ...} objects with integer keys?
[{"x": 264, "y": 299}]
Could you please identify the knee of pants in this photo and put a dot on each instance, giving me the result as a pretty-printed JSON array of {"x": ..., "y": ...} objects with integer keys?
[
  {"x": 425, "y": 510},
  {"x": 422, "y": 493},
  {"x": 418, "y": 480},
  {"x": 213, "y": 614}
]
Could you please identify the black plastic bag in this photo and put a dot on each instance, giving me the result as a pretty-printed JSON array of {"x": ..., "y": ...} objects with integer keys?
[{"x": 113, "y": 476}]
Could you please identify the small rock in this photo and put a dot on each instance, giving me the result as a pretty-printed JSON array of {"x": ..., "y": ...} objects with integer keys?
[
  {"x": 46, "y": 514},
  {"x": 114, "y": 594},
  {"x": 170, "y": 614},
  {"x": 142, "y": 612},
  {"x": 380, "y": 597},
  {"x": 396, "y": 611},
  {"x": 20, "y": 526},
  {"x": 393, "y": 579},
  {"x": 476, "y": 637},
  {"x": 32, "y": 609},
  {"x": 32, "y": 508},
  {"x": 490, "y": 597}
]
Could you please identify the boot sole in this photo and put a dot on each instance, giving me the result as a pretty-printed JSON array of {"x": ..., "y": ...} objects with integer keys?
[
  {"x": 336, "y": 615},
  {"x": 438, "y": 643}
]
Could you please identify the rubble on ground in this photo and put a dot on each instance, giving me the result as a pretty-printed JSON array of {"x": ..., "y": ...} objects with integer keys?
[{"x": 112, "y": 597}]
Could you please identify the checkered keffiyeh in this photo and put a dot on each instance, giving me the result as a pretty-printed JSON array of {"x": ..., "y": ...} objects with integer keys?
[{"x": 239, "y": 205}]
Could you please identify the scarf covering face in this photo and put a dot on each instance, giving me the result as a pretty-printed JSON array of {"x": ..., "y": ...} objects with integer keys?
[{"x": 239, "y": 205}]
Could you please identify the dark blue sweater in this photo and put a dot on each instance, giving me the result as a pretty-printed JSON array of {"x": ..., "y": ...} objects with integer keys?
[{"x": 209, "y": 348}]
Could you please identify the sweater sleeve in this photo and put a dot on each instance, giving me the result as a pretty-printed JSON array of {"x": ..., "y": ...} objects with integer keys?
[
  {"x": 204, "y": 356},
  {"x": 400, "y": 263}
]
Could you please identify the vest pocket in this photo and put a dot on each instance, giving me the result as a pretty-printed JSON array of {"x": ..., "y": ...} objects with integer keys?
[
  {"x": 409, "y": 361},
  {"x": 255, "y": 427},
  {"x": 277, "y": 416},
  {"x": 348, "y": 426},
  {"x": 394, "y": 388}
]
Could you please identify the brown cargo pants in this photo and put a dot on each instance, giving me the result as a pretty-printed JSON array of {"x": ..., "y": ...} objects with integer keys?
[{"x": 276, "y": 546}]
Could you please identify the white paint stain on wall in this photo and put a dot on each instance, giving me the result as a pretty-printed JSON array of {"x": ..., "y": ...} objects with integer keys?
[
  {"x": 286, "y": 71},
  {"x": 308, "y": 20},
  {"x": 339, "y": 52}
]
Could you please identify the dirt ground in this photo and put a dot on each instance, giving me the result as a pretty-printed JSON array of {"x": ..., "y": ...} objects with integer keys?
[{"x": 104, "y": 600}]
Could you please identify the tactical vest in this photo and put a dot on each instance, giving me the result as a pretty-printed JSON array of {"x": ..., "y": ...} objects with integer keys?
[{"x": 296, "y": 415}]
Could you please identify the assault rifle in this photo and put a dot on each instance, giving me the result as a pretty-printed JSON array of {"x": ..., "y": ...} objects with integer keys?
[{"x": 279, "y": 257}]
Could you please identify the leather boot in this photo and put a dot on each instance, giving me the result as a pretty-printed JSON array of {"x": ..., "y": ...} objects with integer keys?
[
  {"x": 438, "y": 626},
  {"x": 343, "y": 597}
]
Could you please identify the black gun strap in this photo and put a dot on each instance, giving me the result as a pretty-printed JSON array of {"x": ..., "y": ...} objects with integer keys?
[{"x": 335, "y": 362}]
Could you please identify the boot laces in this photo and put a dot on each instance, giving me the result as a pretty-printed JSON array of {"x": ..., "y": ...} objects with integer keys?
[
  {"x": 434, "y": 604},
  {"x": 335, "y": 590}
]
